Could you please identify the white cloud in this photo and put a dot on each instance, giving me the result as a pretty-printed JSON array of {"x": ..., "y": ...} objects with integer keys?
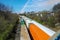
[
  {"x": 22, "y": 10},
  {"x": 35, "y": 5}
]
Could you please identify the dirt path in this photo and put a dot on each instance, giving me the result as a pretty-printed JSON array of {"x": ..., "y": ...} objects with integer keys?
[{"x": 24, "y": 33}]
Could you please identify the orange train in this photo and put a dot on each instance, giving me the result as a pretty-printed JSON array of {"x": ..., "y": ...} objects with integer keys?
[{"x": 38, "y": 31}]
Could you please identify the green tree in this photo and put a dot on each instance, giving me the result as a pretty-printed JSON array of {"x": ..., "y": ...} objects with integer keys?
[
  {"x": 56, "y": 7},
  {"x": 51, "y": 21},
  {"x": 7, "y": 21},
  {"x": 56, "y": 10},
  {"x": 44, "y": 16},
  {"x": 57, "y": 16}
]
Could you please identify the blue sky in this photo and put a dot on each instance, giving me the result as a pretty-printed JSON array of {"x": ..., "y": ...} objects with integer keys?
[
  {"x": 16, "y": 4},
  {"x": 30, "y": 5}
]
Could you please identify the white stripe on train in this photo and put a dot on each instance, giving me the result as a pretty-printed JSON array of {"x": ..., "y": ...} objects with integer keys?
[{"x": 45, "y": 29}]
